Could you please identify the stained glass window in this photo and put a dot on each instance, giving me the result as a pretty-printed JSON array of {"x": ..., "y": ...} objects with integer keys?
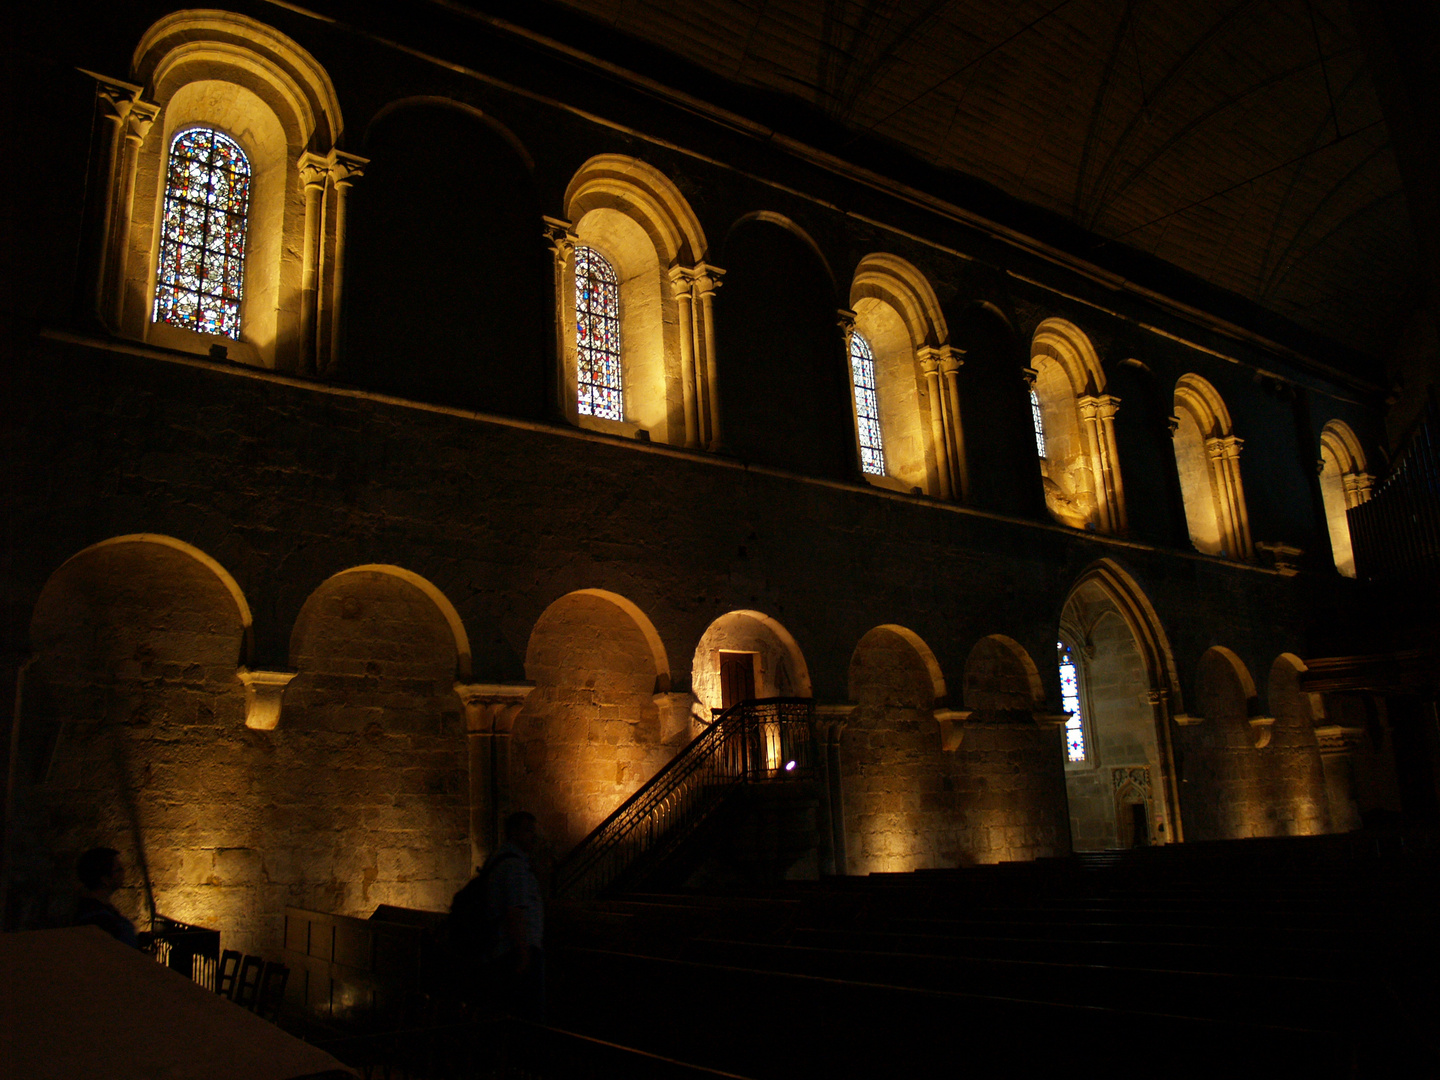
[
  {"x": 200, "y": 278},
  {"x": 597, "y": 335},
  {"x": 1070, "y": 704},
  {"x": 867, "y": 405},
  {"x": 1038, "y": 422}
]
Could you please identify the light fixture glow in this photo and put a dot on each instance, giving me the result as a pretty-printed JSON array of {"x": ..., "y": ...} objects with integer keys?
[{"x": 789, "y": 766}]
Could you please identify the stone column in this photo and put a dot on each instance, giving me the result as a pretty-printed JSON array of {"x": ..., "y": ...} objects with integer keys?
[
  {"x": 1089, "y": 408},
  {"x": 1225, "y": 460},
  {"x": 115, "y": 99},
  {"x": 313, "y": 173},
  {"x": 682, "y": 289},
  {"x": 344, "y": 170},
  {"x": 490, "y": 711},
  {"x": 1159, "y": 702},
  {"x": 950, "y": 361},
  {"x": 562, "y": 241},
  {"x": 138, "y": 118},
  {"x": 1107, "y": 405},
  {"x": 929, "y": 360},
  {"x": 845, "y": 320},
  {"x": 830, "y": 721},
  {"x": 707, "y": 280}
]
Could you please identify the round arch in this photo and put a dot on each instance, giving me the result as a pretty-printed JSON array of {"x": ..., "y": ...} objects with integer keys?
[
  {"x": 770, "y": 217},
  {"x": 1067, "y": 345},
  {"x": 992, "y": 663},
  {"x": 1340, "y": 440},
  {"x": 783, "y": 669},
  {"x": 641, "y": 191},
  {"x": 1204, "y": 403},
  {"x": 221, "y": 574},
  {"x": 1231, "y": 660},
  {"x": 437, "y": 101},
  {"x": 1139, "y": 615},
  {"x": 900, "y": 284},
  {"x": 922, "y": 651},
  {"x": 642, "y": 623},
  {"x": 439, "y": 599}
]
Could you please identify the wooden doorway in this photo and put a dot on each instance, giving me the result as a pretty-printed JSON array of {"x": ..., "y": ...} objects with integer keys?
[{"x": 737, "y": 678}]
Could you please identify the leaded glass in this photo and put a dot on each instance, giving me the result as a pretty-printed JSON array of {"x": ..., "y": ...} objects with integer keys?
[
  {"x": 597, "y": 335},
  {"x": 200, "y": 276},
  {"x": 867, "y": 406},
  {"x": 1038, "y": 422},
  {"x": 1070, "y": 704}
]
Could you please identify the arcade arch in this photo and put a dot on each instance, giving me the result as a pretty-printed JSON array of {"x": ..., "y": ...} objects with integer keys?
[
  {"x": 747, "y": 654},
  {"x": 1344, "y": 484},
  {"x": 1207, "y": 457}
]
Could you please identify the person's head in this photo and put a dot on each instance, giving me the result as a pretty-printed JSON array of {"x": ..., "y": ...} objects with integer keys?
[
  {"x": 520, "y": 830},
  {"x": 100, "y": 870}
]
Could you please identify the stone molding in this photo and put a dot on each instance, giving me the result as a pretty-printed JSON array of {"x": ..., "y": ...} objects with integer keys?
[
  {"x": 952, "y": 726},
  {"x": 264, "y": 691},
  {"x": 491, "y": 708},
  {"x": 1263, "y": 729}
]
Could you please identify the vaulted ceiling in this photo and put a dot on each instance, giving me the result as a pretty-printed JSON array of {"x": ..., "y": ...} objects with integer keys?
[{"x": 1240, "y": 140}]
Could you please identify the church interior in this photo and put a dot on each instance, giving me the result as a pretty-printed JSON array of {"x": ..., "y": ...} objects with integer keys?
[{"x": 934, "y": 505}]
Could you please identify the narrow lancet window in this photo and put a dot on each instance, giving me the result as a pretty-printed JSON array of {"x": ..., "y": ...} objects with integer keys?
[
  {"x": 200, "y": 276},
  {"x": 1070, "y": 704},
  {"x": 867, "y": 406},
  {"x": 597, "y": 335},
  {"x": 1039, "y": 422}
]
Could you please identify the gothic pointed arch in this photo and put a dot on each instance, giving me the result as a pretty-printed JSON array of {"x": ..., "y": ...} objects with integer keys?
[
  {"x": 1074, "y": 421},
  {"x": 907, "y": 415},
  {"x": 624, "y": 214},
  {"x": 268, "y": 101},
  {"x": 1344, "y": 483},
  {"x": 1207, "y": 458}
]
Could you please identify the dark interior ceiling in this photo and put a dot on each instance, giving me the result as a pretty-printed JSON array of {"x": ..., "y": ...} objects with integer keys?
[{"x": 1240, "y": 140}]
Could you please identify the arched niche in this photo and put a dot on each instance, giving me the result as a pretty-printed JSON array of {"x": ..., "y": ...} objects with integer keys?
[
  {"x": 1299, "y": 795},
  {"x": 228, "y": 72},
  {"x": 1207, "y": 459},
  {"x": 637, "y": 220},
  {"x": 591, "y": 732},
  {"x": 1075, "y": 436},
  {"x": 898, "y": 316},
  {"x": 784, "y": 373},
  {"x": 778, "y": 665},
  {"x": 136, "y": 642},
  {"x": 1127, "y": 691},
  {"x": 1226, "y": 796},
  {"x": 892, "y": 665},
  {"x": 1344, "y": 483},
  {"x": 1000, "y": 677},
  {"x": 447, "y": 296}
]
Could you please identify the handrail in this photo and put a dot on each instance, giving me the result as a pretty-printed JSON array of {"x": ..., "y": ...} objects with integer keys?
[
  {"x": 1396, "y": 532},
  {"x": 766, "y": 740}
]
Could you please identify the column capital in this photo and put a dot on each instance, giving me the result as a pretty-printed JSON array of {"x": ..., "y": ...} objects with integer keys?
[
  {"x": 951, "y": 358},
  {"x": 952, "y": 726},
  {"x": 345, "y": 169},
  {"x": 264, "y": 691},
  {"x": 1224, "y": 446},
  {"x": 491, "y": 708},
  {"x": 1108, "y": 405},
  {"x": 1336, "y": 740},
  {"x": 313, "y": 170},
  {"x": 141, "y": 117},
  {"x": 707, "y": 279},
  {"x": 1155, "y": 697},
  {"x": 1029, "y": 374},
  {"x": 561, "y": 236},
  {"x": 845, "y": 319},
  {"x": 115, "y": 95},
  {"x": 928, "y": 359}
]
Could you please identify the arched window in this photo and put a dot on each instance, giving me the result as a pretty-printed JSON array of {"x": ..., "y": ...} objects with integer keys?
[
  {"x": 200, "y": 273},
  {"x": 1207, "y": 459},
  {"x": 597, "y": 336},
  {"x": 1070, "y": 703},
  {"x": 867, "y": 406},
  {"x": 1344, "y": 484},
  {"x": 1038, "y": 420}
]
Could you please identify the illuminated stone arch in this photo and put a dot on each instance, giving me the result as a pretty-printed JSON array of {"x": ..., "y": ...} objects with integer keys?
[
  {"x": 246, "y": 80},
  {"x": 779, "y": 665},
  {"x": 133, "y": 685},
  {"x": 1207, "y": 457},
  {"x": 1344, "y": 483},
  {"x": 594, "y": 728},
  {"x": 635, "y": 218},
  {"x": 915, "y": 377},
  {"x": 892, "y": 664},
  {"x": 1079, "y": 463},
  {"x": 1129, "y": 692},
  {"x": 1301, "y": 799},
  {"x": 1223, "y": 771},
  {"x": 1000, "y": 676}
]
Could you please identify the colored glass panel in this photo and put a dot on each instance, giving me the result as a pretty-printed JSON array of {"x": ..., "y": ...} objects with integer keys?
[
  {"x": 1038, "y": 422},
  {"x": 200, "y": 275},
  {"x": 867, "y": 406},
  {"x": 1070, "y": 704},
  {"x": 597, "y": 336}
]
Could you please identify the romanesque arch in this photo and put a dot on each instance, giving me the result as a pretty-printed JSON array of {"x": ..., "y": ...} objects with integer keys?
[
  {"x": 1000, "y": 676},
  {"x": 1344, "y": 483},
  {"x": 914, "y": 388},
  {"x": 776, "y": 666},
  {"x": 1127, "y": 692},
  {"x": 1207, "y": 457},
  {"x": 1297, "y": 794},
  {"x": 233, "y": 74},
  {"x": 131, "y": 708},
  {"x": 644, "y": 230},
  {"x": 593, "y": 729},
  {"x": 1223, "y": 785},
  {"x": 1075, "y": 430}
]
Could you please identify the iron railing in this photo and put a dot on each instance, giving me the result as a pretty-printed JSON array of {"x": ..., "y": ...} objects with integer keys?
[
  {"x": 1396, "y": 534},
  {"x": 770, "y": 740},
  {"x": 193, "y": 951}
]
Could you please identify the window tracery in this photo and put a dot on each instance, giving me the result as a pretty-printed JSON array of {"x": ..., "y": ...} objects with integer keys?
[
  {"x": 867, "y": 407},
  {"x": 200, "y": 272},
  {"x": 597, "y": 336},
  {"x": 1070, "y": 704}
]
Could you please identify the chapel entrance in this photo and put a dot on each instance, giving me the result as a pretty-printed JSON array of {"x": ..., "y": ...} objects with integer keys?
[{"x": 737, "y": 678}]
